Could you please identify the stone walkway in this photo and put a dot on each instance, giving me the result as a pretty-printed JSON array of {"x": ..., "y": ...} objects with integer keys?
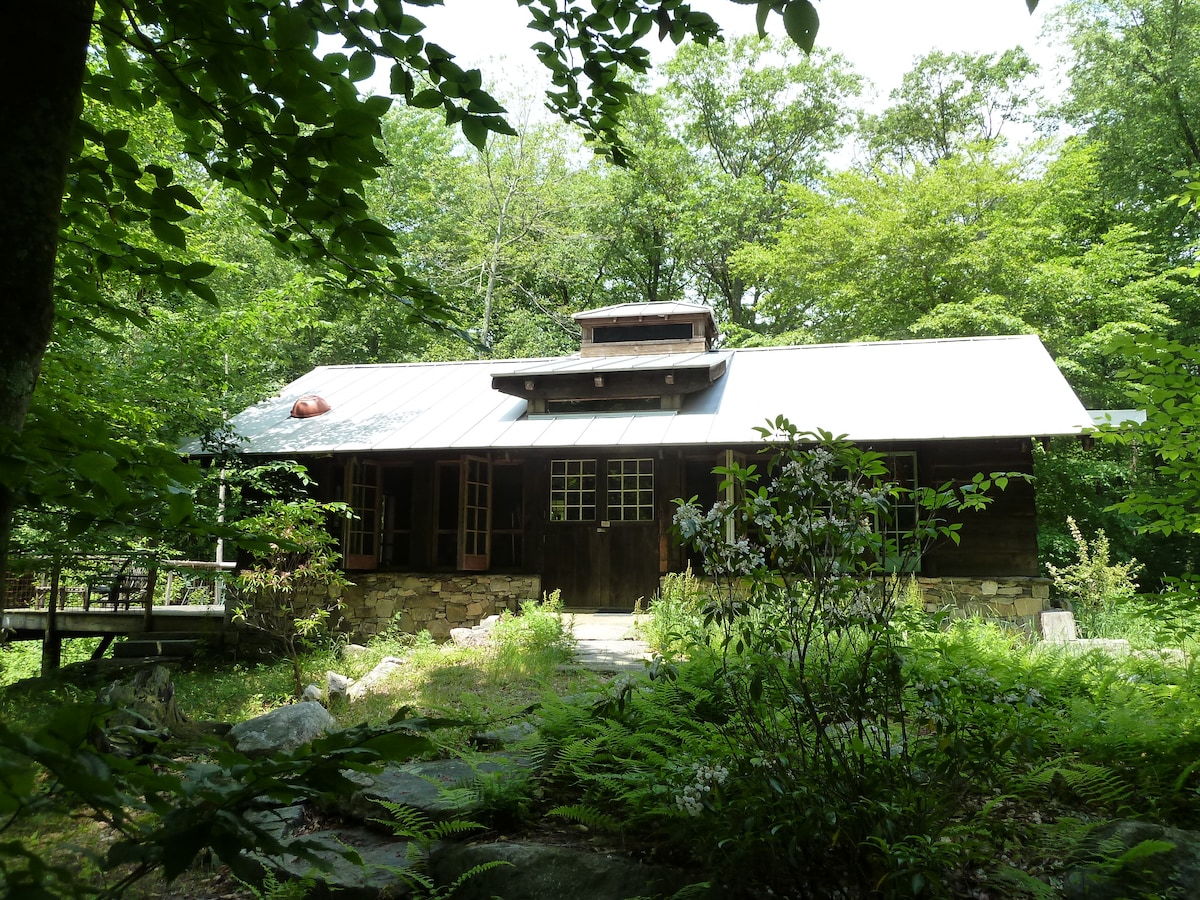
[{"x": 607, "y": 642}]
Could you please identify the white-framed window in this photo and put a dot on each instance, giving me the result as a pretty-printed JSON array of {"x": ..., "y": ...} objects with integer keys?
[
  {"x": 572, "y": 490},
  {"x": 630, "y": 490}
]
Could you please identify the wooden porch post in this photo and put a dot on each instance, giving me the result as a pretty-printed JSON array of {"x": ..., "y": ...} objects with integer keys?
[
  {"x": 151, "y": 580},
  {"x": 51, "y": 639}
]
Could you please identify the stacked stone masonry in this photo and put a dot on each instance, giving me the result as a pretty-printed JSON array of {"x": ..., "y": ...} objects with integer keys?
[
  {"x": 433, "y": 603},
  {"x": 1017, "y": 600}
]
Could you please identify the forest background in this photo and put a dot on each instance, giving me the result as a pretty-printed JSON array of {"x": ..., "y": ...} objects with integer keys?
[{"x": 737, "y": 190}]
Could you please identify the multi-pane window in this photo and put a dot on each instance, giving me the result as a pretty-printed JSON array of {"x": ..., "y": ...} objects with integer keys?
[
  {"x": 898, "y": 526},
  {"x": 476, "y": 512},
  {"x": 630, "y": 495},
  {"x": 572, "y": 490},
  {"x": 362, "y": 530}
]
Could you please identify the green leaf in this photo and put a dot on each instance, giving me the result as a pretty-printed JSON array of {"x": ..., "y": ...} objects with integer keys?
[
  {"x": 801, "y": 22},
  {"x": 169, "y": 233},
  {"x": 476, "y": 131},
  {"x": 362, "y": 65},
  {"x": 761, "y": 14},
  {"x": 426, "y": 99}
]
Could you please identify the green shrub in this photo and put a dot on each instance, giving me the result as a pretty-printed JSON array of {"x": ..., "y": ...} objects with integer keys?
[
  {"x": 1094, "y": 583},
  {"x": 540, "y": 636},
  {"x": 675, "y": 619}
]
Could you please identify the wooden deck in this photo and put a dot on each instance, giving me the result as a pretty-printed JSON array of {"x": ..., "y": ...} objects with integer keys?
[
  {"x": 32, "y": 624},
  {"x": 148, "y": 601}
]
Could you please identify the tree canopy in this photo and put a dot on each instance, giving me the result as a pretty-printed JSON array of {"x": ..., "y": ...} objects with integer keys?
[{"x": 262, "y": 109}]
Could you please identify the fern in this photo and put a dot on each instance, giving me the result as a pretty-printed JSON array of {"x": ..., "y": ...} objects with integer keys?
[
  {"x": 586, "y": 815},
  {"x": 1137, "y": 853},
  {"x": 274, "y": 889},
  {"x": 413, "y": 825},
  {"x": 1092, "y": 784},
  {"x": 1014, "y": 883}
]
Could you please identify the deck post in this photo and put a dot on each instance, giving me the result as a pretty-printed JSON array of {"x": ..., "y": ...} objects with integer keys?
[
  {"x": 51, "y": 639},
  {"x": 151, "y": 581}
]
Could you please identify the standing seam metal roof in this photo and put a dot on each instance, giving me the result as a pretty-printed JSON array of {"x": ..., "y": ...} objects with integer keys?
[{"x": 889, "y": 391}]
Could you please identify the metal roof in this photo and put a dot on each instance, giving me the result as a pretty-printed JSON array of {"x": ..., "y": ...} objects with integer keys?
[
  {"x": 634, "y": 310},
  {"x": 890, "y": 391},
  {"x": 1120, "y": 417},
  {"x": 599, "y": 365}
]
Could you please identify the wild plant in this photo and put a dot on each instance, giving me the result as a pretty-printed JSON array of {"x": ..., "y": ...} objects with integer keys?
[
  {"x": 675, "y": 618},
  {"x": 422, "y": 833},
  {"x": 289, "y": 594},
  {"x": 811, "y": 663},
  {"x": 1094, "y": 583},
  {"x": 539, "y": 637}
]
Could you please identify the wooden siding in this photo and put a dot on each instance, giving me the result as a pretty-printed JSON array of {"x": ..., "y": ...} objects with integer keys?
[
  {"x": 999, "y": 541},
  {"x": 613, "y": 565}
]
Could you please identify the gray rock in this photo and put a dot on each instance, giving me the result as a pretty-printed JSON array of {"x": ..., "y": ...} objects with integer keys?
[
  {"x": 285, "y": 728},
  {"x": 537, "y": 872},
  {"x": 1058, "y": 625},
  {"x": 312, "y": 694},
  {"x": 470, "y": 637},
  {"x": 336, "y": 685},
  {"x": 503, "y": 737},
  {"x": 1110, "y": 646},
  {"x": 1170, "y": 656},
  {"x": 428, "y": 787},
  {"x": 384, "y": 862},
  {"x": 1173, "y": 873},
  {"x": 387, "y": 667}
]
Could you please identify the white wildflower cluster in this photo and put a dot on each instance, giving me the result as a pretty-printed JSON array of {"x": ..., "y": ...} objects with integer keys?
[
  {"x": 703, "y": 779},
  {"x": 622, "y": 684},
  {"x": 940, "y": 697}
]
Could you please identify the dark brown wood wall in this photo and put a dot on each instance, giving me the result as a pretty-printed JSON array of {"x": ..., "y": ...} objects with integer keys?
[
  {"x": 998, "y": 541},
  {"x": 614, "y": 566}
]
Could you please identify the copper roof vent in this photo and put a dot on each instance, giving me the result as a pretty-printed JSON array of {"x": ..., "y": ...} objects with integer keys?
[{"x": 310, "y": 406}]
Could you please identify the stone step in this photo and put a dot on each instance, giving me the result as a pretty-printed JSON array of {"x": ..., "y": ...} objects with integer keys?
[{"x": 139, "y": 647}]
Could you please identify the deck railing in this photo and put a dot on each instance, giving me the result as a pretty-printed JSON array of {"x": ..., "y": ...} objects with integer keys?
[{"x": 97, "y": 583}]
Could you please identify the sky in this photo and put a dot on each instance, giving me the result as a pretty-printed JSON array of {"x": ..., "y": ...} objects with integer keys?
[{"x": 880, "y": 37}]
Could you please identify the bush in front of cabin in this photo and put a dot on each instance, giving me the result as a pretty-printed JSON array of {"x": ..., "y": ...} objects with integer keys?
[
  {"x": 539, "y": 637},
  {"x": 289, "y": 593}
]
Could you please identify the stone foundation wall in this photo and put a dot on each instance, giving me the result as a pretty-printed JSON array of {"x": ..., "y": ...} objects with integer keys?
[
  {"x": 433, "y": 603},
  {"x": 1020, "y": 601}
]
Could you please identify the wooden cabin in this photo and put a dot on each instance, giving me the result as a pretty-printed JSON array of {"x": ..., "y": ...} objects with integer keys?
[{"x": 532, "y": 475}]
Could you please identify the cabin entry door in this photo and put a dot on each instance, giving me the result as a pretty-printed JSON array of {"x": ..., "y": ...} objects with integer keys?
[{"x": 603, "y": 538}]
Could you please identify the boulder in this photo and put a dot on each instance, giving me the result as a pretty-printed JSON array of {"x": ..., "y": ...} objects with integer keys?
[
  {"x": 383, "y": 872},
  {"x": 336, "y": 686},
  {"x": 538, "y": 871},
  {"x": 282, "y": 729},
  {"x": 1167, "y": 864},
  {"x": 428, "y": 787},
  {"x": 1058, "y": 625},
  {"x": 312, "y": 694},
  {"x": 387, "y": 667}
]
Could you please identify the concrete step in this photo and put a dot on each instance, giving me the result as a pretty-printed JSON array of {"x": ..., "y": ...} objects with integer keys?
[{"x": 138, "y": 647}]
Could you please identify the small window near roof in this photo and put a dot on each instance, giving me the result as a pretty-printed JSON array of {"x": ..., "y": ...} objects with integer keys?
[{"x": 669, "y": 331}]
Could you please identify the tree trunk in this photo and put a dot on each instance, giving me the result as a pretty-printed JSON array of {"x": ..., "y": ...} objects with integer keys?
[{"x": 43, "y": 71}]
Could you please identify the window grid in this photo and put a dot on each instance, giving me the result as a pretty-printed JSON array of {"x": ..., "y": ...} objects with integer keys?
[
  {"x": 363, "y": 528},
  {"x": 573, "y": 490},
  {"x": 631, "y": 490},
  {"x": 898, "y": 530}
]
